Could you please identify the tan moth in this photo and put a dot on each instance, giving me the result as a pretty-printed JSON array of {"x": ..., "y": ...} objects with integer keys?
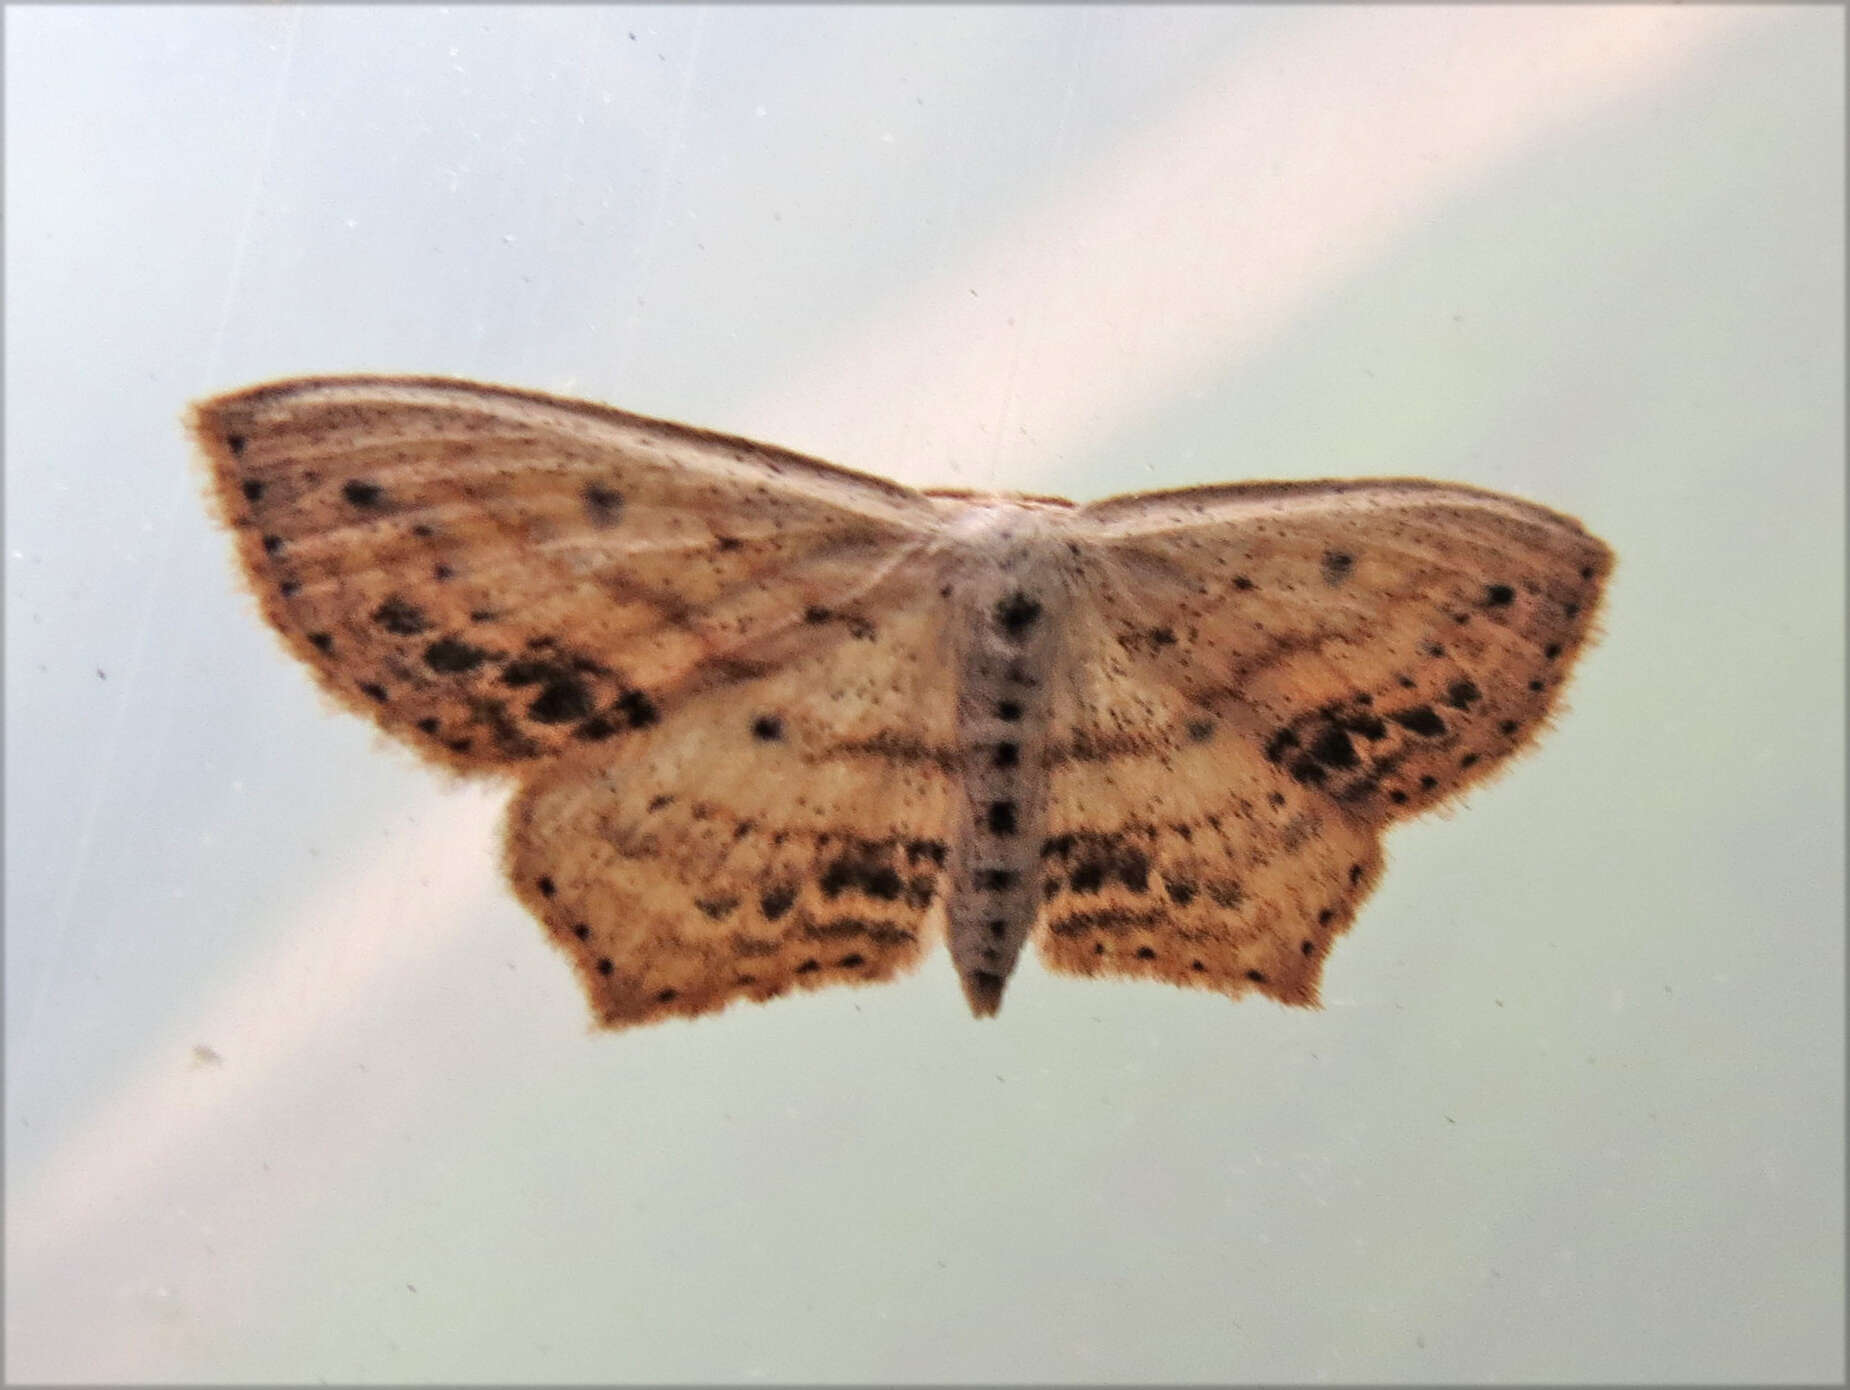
[{"x": 778, "y": 725}]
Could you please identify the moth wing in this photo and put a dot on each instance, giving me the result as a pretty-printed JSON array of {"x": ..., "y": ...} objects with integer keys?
[
  {"x": 784, "y": 833},
  {"x": 1281, "y": 671},
  {"x": 497, "y": 577}
]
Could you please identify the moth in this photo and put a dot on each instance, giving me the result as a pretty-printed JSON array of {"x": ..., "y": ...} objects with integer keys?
[{"x": 776, "y": 725}]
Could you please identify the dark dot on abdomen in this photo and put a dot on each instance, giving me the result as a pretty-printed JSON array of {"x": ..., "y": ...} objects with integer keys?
[{"x": 1016, "y": 614}]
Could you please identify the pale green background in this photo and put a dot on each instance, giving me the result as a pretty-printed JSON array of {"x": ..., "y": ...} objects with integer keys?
[{"x": 1574, "y": 1110}]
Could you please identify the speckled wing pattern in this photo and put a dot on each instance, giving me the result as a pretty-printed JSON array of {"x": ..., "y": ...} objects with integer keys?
[
  {"x": 775, "y": 723},
  {"x": 1279, "y": 672},
  {"x": 655, "y": 629}
]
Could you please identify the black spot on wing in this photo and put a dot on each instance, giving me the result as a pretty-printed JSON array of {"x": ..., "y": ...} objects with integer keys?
[
  {"x": 449, "y": 657},
  {"x": 603, "y": 505},
  {"x": 1097, "y": 859},
  {"x": 1333, "y": 749},
  {"x": 1420, "y": 720},
  {"x": 562, "y": 702},
  {"x": 638, "y": 708},
  {"x": 1462, "y": 693},
  {"x": 400, "y": 617},
  {"x": 862, "y": 870},
  {"x": 925, "y": 852},
  {"x": 877, "y": 932}
]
